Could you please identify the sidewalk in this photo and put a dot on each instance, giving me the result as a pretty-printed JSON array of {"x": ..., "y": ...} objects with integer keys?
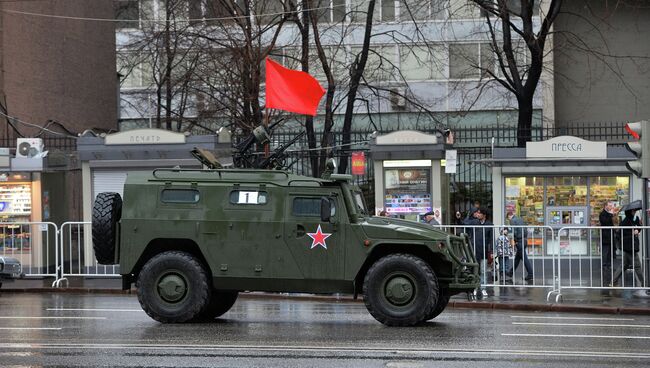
[{"x": 517, "y": 298}]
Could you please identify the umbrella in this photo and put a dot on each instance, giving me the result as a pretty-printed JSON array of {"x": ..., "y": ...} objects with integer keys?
[{"x": 634, "y": 205}]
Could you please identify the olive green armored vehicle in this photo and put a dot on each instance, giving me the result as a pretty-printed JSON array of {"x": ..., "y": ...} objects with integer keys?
[{"x": 191, "y": 240}]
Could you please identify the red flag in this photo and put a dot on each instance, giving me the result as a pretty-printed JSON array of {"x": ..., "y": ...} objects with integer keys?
[{"x": 291, "y": 90}]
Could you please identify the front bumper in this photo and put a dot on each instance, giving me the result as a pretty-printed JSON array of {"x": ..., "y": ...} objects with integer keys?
[
  {"x": 465, "y": 265},
  {"x": 10, "y": 268}
]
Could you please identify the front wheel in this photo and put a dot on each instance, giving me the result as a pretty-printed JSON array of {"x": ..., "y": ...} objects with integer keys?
[
  {"x": 173, "y": 287},
  {"x": 400, "y": 290},
  {"x": 220, "y": 303},
  {"x": 443, "y": 300}
]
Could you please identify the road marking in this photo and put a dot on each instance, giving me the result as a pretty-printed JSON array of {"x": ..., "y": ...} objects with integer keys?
[
  {"x": 348, "y": 349},
  {"x": 49, "y": 317},
  {"x": 576, "y": 318},
  {"x": 30, "y": 328},
  {"x": 577, "y": 324},
  {"x": 94, "y": 310},
  {"x": 580, "y": 336}
]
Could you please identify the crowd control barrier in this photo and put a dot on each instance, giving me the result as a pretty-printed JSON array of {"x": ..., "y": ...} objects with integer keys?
[
  {"x": 77, "y": 258},
  {"x": 33, "y": 244},
  {"x": 602, "y": 257},
  {"x": 528, "y": 263},
  {"x": 571, "y": 257}
]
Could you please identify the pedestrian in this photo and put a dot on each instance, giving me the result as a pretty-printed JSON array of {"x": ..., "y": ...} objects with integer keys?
[
  {"x": 519, "y": 235},
  {"x": 383, "y": 213},
  {"x": 504, "y": 250},
  {"x": 458, "y": 220},
  {"x": 482, "y": 239},
  {"x": 607, "y": 241},
  {"x": 430, "y": 218},
  {"x": 630, "y": 246},
  {"x": 472, "y": 211}
]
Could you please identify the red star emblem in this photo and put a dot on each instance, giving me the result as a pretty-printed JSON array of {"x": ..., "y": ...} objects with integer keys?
[{"x": 319, "y": 238}]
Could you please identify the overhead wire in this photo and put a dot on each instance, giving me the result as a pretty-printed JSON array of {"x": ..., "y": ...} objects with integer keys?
[
  {"x": 15, "y": 119},
  {"x": 179, "y": 20}
]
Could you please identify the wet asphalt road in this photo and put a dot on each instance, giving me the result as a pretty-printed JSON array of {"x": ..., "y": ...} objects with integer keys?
[{"x": 69, "y": 330}]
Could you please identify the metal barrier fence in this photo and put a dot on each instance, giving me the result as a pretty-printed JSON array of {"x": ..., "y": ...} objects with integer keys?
[
  {"x": 599, "y": 257},
  {"x": 33, "y": 244},
  {"x": 512, "y": 255},
  {"x": 572, "y": 257},
  {"x": 77, "y": 255}
]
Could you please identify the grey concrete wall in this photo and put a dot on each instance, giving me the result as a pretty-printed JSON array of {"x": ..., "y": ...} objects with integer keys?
[
  {"x": 602, "y": 83},
  {"x": 59, "y": 69}
]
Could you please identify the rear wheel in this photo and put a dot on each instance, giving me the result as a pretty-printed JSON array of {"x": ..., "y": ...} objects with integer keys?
[
  {"x": 107, "y": 211},
  {"x": 400, "y": 290},
  {"x": 173, "y": 287}
]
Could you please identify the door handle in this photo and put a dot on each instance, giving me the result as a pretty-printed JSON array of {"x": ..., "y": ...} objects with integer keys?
[{"x": 300, "y": 231}]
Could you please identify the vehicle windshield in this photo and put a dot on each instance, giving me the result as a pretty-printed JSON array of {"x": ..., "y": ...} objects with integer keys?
[{"x": 361, "y": 203}]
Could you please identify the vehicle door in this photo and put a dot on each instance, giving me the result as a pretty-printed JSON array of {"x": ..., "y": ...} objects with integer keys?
[{"x": 317, "y": 246}]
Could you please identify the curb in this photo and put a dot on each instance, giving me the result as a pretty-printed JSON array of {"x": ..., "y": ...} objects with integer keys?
[
  {"x": 528, "y": 307},
  {"x": 67, "y": 291}
]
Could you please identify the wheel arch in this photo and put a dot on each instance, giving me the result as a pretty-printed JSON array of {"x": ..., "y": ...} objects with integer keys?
[
  {"x": 435, "y": 260},
  {"x": 160, "y": 245}
]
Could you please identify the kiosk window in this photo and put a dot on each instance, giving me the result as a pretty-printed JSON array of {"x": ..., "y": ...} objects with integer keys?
[
  {"x": 248, "y": 197},
  {"x": 180, "y": 196}
]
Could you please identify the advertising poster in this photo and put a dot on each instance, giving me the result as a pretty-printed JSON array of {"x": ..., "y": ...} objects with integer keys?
[{"x": 407, "y": 191}]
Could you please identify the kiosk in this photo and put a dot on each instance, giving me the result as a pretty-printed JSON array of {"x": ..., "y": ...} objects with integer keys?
[
  {"x": 564, "y": 181},
  {"x": 409, "y": 174}
]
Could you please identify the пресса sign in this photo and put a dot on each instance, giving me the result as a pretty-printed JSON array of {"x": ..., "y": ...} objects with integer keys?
[{"x": 566, "y": 147}]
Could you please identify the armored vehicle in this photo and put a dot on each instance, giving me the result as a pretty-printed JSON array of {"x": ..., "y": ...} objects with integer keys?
[{"x": 191, "y": 240}]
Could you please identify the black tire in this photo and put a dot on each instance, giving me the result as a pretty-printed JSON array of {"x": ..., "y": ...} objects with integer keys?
[
  {"x": 107, "y": 212},
  {"x": 220, "y": 302},
  {"x": 173, "y": 287},
  {"x": 443, "y": 300},
  {"x": 413, "y": 280}
]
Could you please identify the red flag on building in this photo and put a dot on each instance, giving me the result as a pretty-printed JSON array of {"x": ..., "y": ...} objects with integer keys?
[{"x": 291, "y": 90}]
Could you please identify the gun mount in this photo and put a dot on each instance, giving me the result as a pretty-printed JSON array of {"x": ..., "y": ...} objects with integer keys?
[{"x": 249, "y": 154}]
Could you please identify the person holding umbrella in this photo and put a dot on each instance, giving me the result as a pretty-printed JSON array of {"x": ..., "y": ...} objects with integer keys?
[{"x": 630, "y": 243}]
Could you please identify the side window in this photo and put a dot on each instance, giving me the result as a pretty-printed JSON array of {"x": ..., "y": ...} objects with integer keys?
[
  {"x": 310, "y": 207},
  {"x": 248, "y": 197},
  {"x": 179, "y": 196}
]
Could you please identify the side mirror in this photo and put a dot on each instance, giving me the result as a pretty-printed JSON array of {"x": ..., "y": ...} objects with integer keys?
[{"x": 325, "y": 209}]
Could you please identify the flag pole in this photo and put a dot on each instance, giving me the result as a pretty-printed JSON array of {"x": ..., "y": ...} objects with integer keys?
[{"x": 267, "y": 149}]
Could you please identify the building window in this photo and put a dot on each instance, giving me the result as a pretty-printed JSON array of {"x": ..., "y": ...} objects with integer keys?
[
  {"x": 127, "y": 13},
  {"x": 463, "y": 9},
  {"x": 423, "y": 9},
  {"x": 381, "y": 63},
  {"x": 268, "y": 11},
  {"x": 135, "y": 70},
  {"x": 418, "y": 62},
  {"x": 388, "y": 10},
  {"x": 470, "y": 60}
]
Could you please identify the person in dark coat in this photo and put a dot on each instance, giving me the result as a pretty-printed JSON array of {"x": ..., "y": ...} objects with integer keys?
[
  {"x": 630, "y": 244},
  {"x": 482, "y": 238},
  {"x": 520, "y": 235},
  {"x": 607, "y": 241}
]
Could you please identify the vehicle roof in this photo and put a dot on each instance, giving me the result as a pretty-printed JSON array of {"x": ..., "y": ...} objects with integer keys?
[{"x": 253, "y": 176}]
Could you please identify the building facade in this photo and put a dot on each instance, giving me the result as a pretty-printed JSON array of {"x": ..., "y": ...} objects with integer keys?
[
  {"x": 436, "y": 61},
  {"x": 57, "y": 68}
]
